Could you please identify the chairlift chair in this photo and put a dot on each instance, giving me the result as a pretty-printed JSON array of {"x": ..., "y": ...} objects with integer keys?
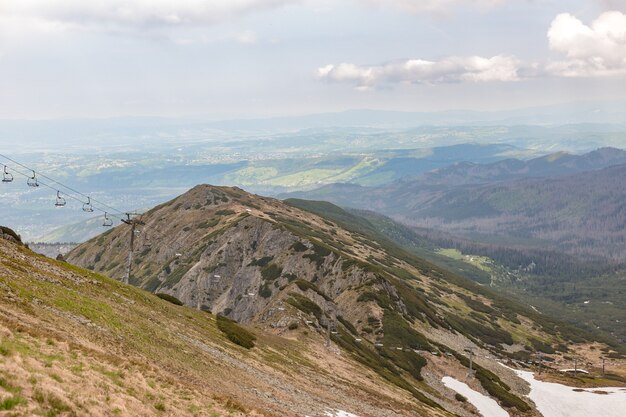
[
  {"x": 32, "y": 181},
  {"x": 108, "y": 222},
  {"x": 87, "y": 207},
  {"x": 60, "y": 202},
  {"x": 7, "y": 176}
]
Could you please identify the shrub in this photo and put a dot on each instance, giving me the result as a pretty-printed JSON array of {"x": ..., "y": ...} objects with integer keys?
[
  {"x": 347, "y": 325},
  {"x": 460, "y": 397},
  {"x": 261, "y": 262},
  {"x": 319, "y": 254},
  {"x": 306, "y": 285},
  {"x": 209, "y": 223},
  {"x": 98, "y": 257},
  {"x": 381, "y": 299},
  {"x": 235, "y": 333},
  {"x": 298, "y": 246},
  {"x": 496, "y": 388},
  {"x": 541, "y": 346},
  {"x": 271, "y": 272},
  {"x": 399, "y": 333},
  {"x": 290, "y": 277},
  {"x": 293, "y": 325},
  {"x": 177, "y": 275},
  {"x": 347, "y": 264},
  {"x": 265, "y": 291},
  {"x": 169, "y": 298},
  {"x": 304, "y": 304},
  {"x": 492, "y": 336},
  {"x": 476, "y": 305}
]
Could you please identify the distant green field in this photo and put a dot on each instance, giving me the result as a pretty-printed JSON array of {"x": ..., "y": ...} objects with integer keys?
[{"x": 480, "y": 262}]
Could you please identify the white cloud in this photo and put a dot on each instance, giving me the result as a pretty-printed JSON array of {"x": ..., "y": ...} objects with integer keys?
[
  {"x": 435, "y": 6},
  {"x": 595, "y": 50},
  {"x": 133, "y": 13},
  {"x": 419, "y": 71}
]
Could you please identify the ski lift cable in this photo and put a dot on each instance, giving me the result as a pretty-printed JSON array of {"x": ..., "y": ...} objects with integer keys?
[
  {"x": 63, "y": 185},
  {"x": 95, "y": 207},
  {"x": 91, "y": 200},
  {"x": 66, "y": 194}
]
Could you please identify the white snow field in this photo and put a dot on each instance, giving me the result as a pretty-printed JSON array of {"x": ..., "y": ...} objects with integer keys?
[
  {"x": 556, "y": 400},
  {"x": 487, "y": 406}
]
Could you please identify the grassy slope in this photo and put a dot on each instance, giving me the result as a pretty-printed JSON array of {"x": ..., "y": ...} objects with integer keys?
[{"x": 75, "y": 343}]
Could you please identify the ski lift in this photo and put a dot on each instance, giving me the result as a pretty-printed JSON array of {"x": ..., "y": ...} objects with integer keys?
[
  {"x": 32, "y": 181},
  {"x": 108, "y": 222},
  {"x": 60, "y": 200},
  {"x": 7, "y": 176},
  {"x": 87, "y": 207}
]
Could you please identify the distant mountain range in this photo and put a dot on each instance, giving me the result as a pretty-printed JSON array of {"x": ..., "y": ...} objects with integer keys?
[
  {"x": 599, "y": 118},
  {"x": 573, "y": 203},
  {"x": 556, "y": 164}
]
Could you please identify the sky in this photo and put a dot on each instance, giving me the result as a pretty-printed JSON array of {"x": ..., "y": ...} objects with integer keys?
[{"x": 225, "y": 59}]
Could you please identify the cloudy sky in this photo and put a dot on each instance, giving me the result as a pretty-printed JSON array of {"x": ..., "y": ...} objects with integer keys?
[{"x": 254, "y": 58}]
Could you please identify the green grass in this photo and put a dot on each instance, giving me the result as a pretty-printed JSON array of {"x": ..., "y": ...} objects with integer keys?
[{"x": 11, "y": 402}]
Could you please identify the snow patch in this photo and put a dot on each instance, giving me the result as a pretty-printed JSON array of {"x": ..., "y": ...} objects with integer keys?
[
  {"x": 557, "y": 400},
  {"x": 340, "y": 413},
  {"x": 487, "y": 406}
]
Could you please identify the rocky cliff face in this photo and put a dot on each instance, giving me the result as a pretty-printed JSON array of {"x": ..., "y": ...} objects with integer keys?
[
  {"x": 288, "y": 271},
  {"x": 233, "y": 253}
]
